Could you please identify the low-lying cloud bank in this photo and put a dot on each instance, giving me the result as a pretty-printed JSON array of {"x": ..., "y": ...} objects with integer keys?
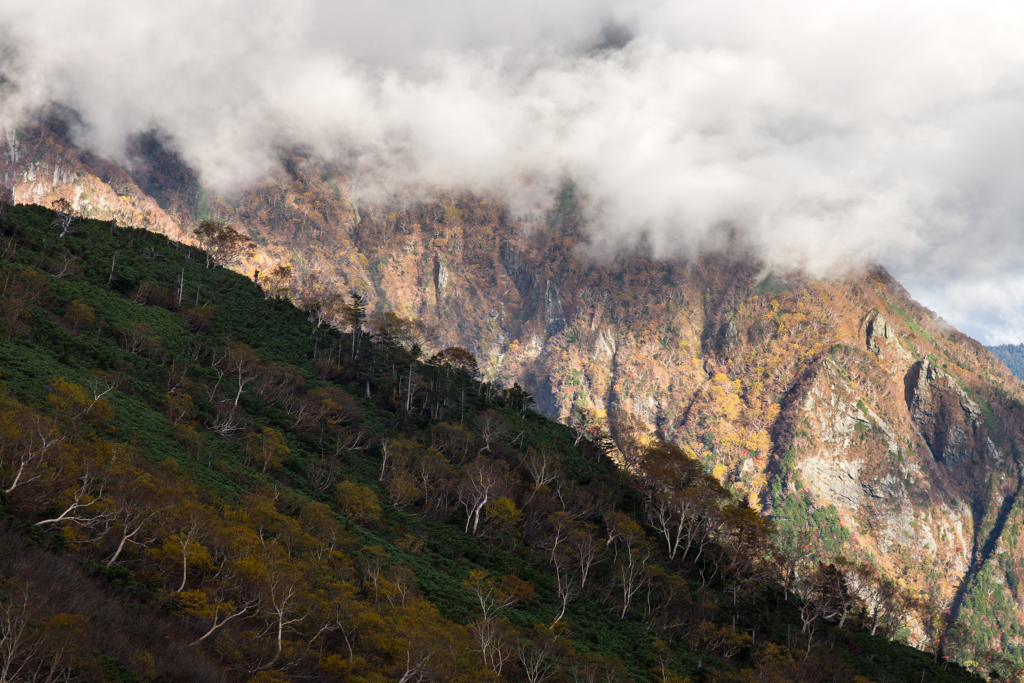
[{"x": 830, "y": 133}]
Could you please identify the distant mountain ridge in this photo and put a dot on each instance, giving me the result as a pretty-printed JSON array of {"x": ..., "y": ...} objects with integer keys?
[
  {"x": 1012, "y": 356},
  {"x": 841, "y": 407}
]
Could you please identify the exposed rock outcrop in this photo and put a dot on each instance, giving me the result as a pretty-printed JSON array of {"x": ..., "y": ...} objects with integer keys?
[
  {"x": 882, "y": 339},
  {"x": 948, "y": 419},
  {"x": 554, "y": 316}
]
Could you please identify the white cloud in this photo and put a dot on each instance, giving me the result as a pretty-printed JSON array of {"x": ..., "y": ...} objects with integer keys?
[{"x": 830, "y": 132}]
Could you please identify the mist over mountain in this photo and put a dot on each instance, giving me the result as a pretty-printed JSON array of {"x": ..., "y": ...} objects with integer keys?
[
  {"x": 662, "y": 224},
  {"x": 828, "y": 136}
]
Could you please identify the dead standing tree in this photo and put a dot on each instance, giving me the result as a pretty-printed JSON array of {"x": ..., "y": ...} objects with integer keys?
[
  {"x": 64, "y": 217},
  {"x": 482, "y": 480},
  {"x": 490, "y": 426}
]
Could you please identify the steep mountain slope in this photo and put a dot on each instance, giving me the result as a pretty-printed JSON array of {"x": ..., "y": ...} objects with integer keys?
[
  {"x": 859, "y": 421},
  {"x": 194, "y": 493}
]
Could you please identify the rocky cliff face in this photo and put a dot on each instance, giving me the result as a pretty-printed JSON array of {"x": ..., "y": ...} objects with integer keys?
[{"x": 861, "y": 422}]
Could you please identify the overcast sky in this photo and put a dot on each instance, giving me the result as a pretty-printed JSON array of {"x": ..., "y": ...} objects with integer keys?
[{"x": 830, "y": 133}]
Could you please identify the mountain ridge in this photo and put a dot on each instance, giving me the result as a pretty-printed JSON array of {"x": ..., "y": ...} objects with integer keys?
[
  {"x": 841, "y": 406},
  {"x": 220, "y": 472},
  {"x": 1012, "y": 356}
]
